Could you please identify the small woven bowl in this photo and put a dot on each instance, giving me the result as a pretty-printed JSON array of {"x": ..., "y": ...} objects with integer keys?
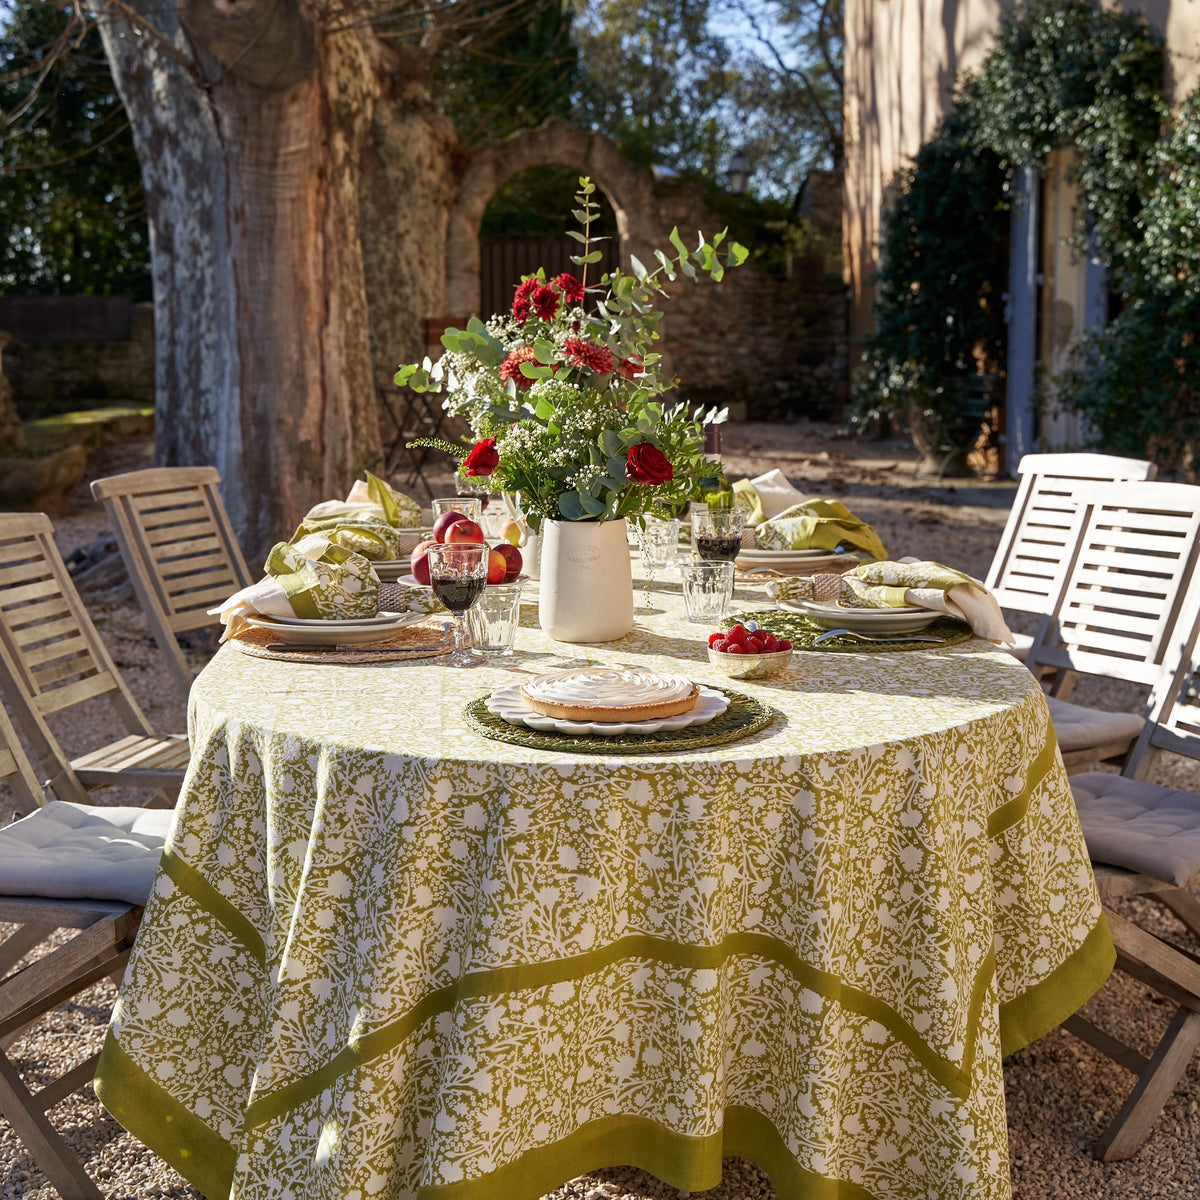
[{"x": 750, "y": 666}]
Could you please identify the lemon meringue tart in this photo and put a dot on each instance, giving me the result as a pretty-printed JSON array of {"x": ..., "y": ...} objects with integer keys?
[{"x": 610, "y": 694}]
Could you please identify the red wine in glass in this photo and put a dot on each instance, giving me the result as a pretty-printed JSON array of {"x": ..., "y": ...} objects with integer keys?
[
  {"x": 456, "y": 593},
  {"x": 713, "y": 548}
]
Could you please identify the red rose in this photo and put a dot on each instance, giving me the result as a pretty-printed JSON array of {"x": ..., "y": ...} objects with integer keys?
[
  {"x": 483, "y": 458},
  {"x": 570, "y": 287},
  {"x": 648, "y": 464},
  {"x": 510, "y": 368},
  {"x": 521, "y": 297},
  {"x": 545, "y": 302},
  {"x": 581, "y": 353}
]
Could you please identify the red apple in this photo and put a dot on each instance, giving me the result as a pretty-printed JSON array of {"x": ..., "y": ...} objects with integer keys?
[
  {"x": 443, "y": 522},
  {"x": 512, "y": 560},
  {"x": 418, "y": 561},
  {"x": 497, "y": 565},
  {"x": 463, "y": 531}
]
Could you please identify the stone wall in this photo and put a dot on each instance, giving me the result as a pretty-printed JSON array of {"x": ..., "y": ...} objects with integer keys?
[
  {"x": 769, "y": 346},
  {"x": 50, "y": 376}
]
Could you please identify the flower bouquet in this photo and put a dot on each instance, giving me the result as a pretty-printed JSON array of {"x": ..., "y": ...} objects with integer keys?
[{"x": 563, "y": 393}]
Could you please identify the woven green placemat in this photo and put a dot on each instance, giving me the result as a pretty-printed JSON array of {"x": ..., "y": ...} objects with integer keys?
[
  {"x": 800, "y": 631},
  {"x": 743, "y": 717}
]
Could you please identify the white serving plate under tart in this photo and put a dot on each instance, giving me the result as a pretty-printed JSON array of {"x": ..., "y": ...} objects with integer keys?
[
  {"x": 863, "y": 620},
  {"x": 336, "y": 633},
  {"x": 509, "y": 704}
]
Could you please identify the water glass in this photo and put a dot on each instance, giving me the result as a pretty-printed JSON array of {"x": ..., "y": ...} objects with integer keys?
[
  {"x": 471, "y": 507},
  {"x": 707, "y": 591},
  {"x": 494, "y": 619},
  {"x": 659, "y": 541}
]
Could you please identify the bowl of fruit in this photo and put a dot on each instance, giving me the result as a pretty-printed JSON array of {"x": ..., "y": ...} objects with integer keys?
[
  {"x": 748, "y": 652},
  {"x": 504, "y": 559}
]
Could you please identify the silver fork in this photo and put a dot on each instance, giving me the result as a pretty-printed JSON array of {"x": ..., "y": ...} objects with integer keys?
[{"x": 829, "y": 634}]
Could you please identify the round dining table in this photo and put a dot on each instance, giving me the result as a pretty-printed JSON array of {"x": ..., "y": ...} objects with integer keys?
[{"x": 389, "y": 956}]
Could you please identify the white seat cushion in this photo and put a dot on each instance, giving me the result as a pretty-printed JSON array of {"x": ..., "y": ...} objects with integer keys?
[
  {"x": 1140, "y": 826},
  {"x": 83, "y": 852},
  {"x": 1079, "y": 728}
]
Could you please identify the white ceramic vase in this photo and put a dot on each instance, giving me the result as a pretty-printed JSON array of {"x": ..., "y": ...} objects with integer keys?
[{"x": 586, "y": 586}]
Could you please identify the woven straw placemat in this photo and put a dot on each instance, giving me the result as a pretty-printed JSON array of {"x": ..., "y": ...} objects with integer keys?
[
  {"x": 425, "y": 640},
  {"x": 744, "y": 716},
  {"x": 800, "y": 632}
]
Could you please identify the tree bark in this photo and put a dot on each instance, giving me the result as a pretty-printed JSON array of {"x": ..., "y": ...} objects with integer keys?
[{"x": 263, "y": 358}]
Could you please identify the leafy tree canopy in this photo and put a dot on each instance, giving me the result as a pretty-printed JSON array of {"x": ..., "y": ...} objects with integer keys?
[{"x": 72, "y": 216}]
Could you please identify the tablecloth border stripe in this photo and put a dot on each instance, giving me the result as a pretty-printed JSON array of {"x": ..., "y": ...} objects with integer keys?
[
  {"x": 1014, "y": 810},
  {"x": 954, "y": 1077},
  {"x": 668, "y": 1155},
  {"x": 179, "y": 1137},
  {"x": 1043, "y": 1007},
  {"x": 189, "y": 881}
]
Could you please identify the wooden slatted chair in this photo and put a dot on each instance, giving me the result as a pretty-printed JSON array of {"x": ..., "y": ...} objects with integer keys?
[
  {"x": 52, "y": 658},
  {"x": 63, "y": 867},
  {"x": 1144, "y": 840},
  {"x": 1123, "y": 579},
  {"x": 179, "y": 549},
  {"x": 1025, "y": 568}
]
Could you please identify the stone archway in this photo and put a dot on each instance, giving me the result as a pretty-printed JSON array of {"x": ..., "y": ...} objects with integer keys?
[{"x": 629, "y": 189}]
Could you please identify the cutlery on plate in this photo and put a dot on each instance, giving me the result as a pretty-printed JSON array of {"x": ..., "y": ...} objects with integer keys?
[{"x": 821, "y": 638}]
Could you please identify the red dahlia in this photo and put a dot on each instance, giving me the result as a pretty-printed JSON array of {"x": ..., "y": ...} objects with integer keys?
[
  {"x": 570, "y": 287},
  {"x": 510, "y": 368},
  {"x": 627, "y": 368},
  {"x": 581, "y": 353},
  {"x": 521, "y": 297},
  {"x": 545, "y": 302}
]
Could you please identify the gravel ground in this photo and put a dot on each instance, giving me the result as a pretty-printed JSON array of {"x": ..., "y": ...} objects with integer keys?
[{"x": 1061, "y": 1093}]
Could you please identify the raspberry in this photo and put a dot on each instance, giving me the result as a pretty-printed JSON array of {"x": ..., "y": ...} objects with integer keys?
[
  {"x": 713, "y": 638},
  {"x": 784, "y": 644},
  {"x": 719, "y": 644},
  {"x": 734, "y": 647}
]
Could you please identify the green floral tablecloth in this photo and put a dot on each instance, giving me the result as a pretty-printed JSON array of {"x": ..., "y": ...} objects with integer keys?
[{"x": 388, "y": 958}]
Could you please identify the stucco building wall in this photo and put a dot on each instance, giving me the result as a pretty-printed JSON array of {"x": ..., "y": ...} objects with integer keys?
[{"x": 902, "y": 58}]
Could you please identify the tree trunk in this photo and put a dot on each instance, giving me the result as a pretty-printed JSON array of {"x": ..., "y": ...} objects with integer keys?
[{"x": 249, "y": 140}]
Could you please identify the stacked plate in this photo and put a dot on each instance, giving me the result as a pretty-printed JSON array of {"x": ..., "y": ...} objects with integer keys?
[
  {"x": 790, "y": 562},
  {"x": 509, "y": 704},
  {"x": 390, "y": 569},
  {"x": 863, "y": 620},
  {"x": 358, "y": 631}
]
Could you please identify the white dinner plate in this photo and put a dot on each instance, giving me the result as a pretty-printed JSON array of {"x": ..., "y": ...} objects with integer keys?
[
  {"x": 509, "y": 704},
  {"x": 383, "y": 618},
  {"x": 783, "y": 555},
  {"x": 863, "y": 620},
  {"x": 331, "y": 633}
]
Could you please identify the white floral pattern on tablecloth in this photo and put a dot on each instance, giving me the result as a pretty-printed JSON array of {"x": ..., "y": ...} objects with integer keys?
[{"x": 387, "y": 955}]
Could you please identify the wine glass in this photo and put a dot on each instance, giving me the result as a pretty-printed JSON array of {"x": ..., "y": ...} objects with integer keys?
[
  {"x": 458, "y": 573},
  {"x": 718, "y": 533}
]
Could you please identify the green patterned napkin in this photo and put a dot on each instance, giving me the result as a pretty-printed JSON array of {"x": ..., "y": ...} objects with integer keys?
[
  {"x": 818, "y": 525},
  {"x": 312, "y": 577},
  {"x": 909, "y": 583},
  {"x": 374, "y": 499},
  {"x": 360, "y": 531}
]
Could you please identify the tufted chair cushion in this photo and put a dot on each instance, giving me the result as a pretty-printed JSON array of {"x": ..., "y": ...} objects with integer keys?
[
  {"x": 78, "y": 851},
  {"x": 1079, "y": 728},
  {"x": 1140, "y": 826}
]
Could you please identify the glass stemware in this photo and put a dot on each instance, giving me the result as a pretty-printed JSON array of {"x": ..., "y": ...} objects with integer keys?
[
  {"x": 458, "y": 575},
  {"x": 718, "y": 533}
]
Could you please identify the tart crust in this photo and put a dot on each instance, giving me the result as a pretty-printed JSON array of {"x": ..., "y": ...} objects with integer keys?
[{"x": 550, "y": 706}]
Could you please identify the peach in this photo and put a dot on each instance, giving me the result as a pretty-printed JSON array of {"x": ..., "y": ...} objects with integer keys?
[
  {"x": 510, "y": 531},
  {"x": 463, "y": 531},
  {"x": 418, "y": 561},
  {"x": 497, "y": 566}
]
